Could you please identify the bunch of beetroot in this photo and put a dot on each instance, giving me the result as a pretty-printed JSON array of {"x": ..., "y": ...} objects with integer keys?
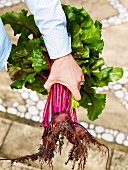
[{"x": 60, "y": 123}]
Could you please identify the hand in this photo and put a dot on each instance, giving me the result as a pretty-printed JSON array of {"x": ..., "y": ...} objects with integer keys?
[{"x": 67, "y": 72}]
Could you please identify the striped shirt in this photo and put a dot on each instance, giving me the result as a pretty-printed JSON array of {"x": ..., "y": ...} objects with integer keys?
[
  {"x": 51, "y": 21},
  {"x": 5, "y": 45}
]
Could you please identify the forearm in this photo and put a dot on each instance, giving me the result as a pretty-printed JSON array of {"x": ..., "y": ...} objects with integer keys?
[
  {"x": 51, "y": 21},
  {"x": 5, "y": 46}
]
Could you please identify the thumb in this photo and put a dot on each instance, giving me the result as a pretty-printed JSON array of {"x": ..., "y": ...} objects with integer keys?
[
  {"x": 48, "y": 84},
  {"x": 76, "y": 93}
]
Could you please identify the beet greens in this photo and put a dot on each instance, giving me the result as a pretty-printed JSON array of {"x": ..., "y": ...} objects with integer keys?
[{"x": 27, "y": 65}]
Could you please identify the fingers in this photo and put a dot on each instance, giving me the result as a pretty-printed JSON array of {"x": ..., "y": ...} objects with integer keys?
[{"x": 75, "y": 92}]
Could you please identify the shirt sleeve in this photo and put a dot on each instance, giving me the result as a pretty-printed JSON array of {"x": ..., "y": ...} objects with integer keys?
[
  {"x": 5, "y": 45},
  {"x": 51, "y": 21}
]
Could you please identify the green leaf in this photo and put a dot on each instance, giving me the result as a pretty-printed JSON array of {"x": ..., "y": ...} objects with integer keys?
[
  {"x": 76, "y": 43},
  {"x": 97, "y": 73},
  {"x": 105, "y": 72},
  {"x": 87, "y": 22},
  {"x": 96, "y": 106},
  {"x": 30, "y": 78},
  {"x": 99, "y": 63},
  {"x": 20, "y": 23},
  {"x": 116, "y": 74},
  {"x": 13, "y": 70},
  {"x": 17, "y": 84},
  {"x": 98, "y": 25},
  {"x": 74, "y": 103},
  {"x": 90, "y": 33}
]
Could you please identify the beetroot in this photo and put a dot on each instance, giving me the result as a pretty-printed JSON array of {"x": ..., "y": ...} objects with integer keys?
[
  {"x": 60, "y": 118},
  {"x": 60, "y": 122}
]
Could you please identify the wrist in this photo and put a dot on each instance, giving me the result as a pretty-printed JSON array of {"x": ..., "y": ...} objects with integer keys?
[{"x": 63, "y": 57}]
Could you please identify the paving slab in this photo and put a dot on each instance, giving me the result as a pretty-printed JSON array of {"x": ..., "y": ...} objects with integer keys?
[
  {"x": 98, "y": 10},
  {"x": 124, "y": 2},
  {"x": 21, "y": 140},
  {"x": 115, "y": 50},
  {"x": 4, "y": 126},
  {"x": 114, "y": 116},
  {"x": 6, "y": 93},
  {"x": 119, "y": 161}
]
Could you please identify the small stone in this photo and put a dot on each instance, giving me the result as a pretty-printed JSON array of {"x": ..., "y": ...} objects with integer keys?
[
  {"x": 27, "y": 90},
  {"x": 33, "y": 110},
  {"x": 100, "y": 89},
  {"x": 104, "y": 21},
  {"x": 111, "y": 20},
  {"x": 35, "y": 118},
  {"x": 16, "y": 1},
  {"x": 22, "y": 115},
  {"x": 99, "y": 129},
  {"x": 121, "y": 16},
  {"x": 20, "y": 90},
  {"x": 8, "y": 4},
  {"x": 124, "y": 102},
  {"x": 27, "y": 116},
  {"x": 99, "y": 136},
  {"x": 126, "y": 97},
  {"x": 24, "y": 95},
  {"x": 40, "y": 105},
  {"x": 111, "y": 131},
  {"x": 117, "y": 87},
  {"x": 84, "y": 124},
  {"x": 112, "y": 83},
  {"x": 126, "y": 106},
  {"x": 91, "y": 126},
  {"x": 21, "y": 108},
  {"x": 115, "y": 132},
  {"x": 125, "y": 74},
  {"x": 3, "y": 1},
  {"x": 106, "y": 88},
  {"x": 122, "y": 10},
  {"x": 34, "y": 96},
  {"x": 123, "y": 80},
  {"x": 1, "y": 101},
  {"x": 40, "y": 120},
  {"x": 125, "y": 142},
  {"x": 108, "y": 137},
  {"x": 15, "y": 104},
  {"x": 93, "y": 133},
  {"x": 30, "y": 102},
  {"x": 119, "y": 94},
  {"x": 124, "y": 89},
  {"x": 107, "y": 130},
  {"x": 12, "y": 110},
  {"x": 2, "y": 108},
  {"x": 1, "y": 5},
  {"x": 120, "y": 137},
  {"x": 41, "y": 114},
  {"x": 18, "y": 114}
]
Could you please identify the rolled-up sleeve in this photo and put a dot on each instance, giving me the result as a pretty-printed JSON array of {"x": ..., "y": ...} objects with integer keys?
[
  {"x": 51, "y": 21},
  {"x": 5, "y": 45}
]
